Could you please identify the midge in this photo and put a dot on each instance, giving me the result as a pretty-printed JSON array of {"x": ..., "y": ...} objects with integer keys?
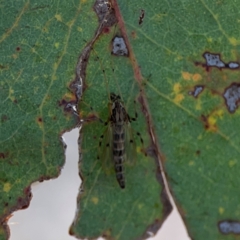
[{"x": 119, "y": 131}]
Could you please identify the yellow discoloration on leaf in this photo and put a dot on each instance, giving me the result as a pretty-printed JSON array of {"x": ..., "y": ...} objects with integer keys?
[
  {"x": 209, "y": 40},
  {"x": 79, "y": 29},
  {"x": 191, "y": 163},
  {"x": 212, "y": 119},
  {"x": 83, "y": 1},
  {"x": 6, "y": 187},
  {"x": 70, "y": 23},
  {"x": 55, "y": 66},
  {"x": 199, "y": 137},
  {"x": 234, "y": 41},
  {"x": 189, "y": 76},
  {"x": 58, "y": 17},
  {"x": 95, "y": 200},
  {"x": 219, "y": 113},
  {"x": 10, "y": 94},
  {"x": 107, "y": 233},
  {"x": 178, "y": 98},
  {"x": 199, "y": 105},
  {"x": 177, "y": 88},
  {"x": 179, "y": 57},
  {"x": 232, "y": 163},
  {"x": 54, "y": 77},
  {"x": 139, "y": 149},
  {"x": 186, "y": 75},
  {"x": 15, "y": 56},
  {"x": 68, "y": 96},
  {"x": 140, "y": 206},
  {"x": 159, "y": 17},
  {"x": 221, "y": 210},
  {"x": 57, "y": 45},
  {"x": 33, "y": 50},
  {"x": 196, "y": 77}
]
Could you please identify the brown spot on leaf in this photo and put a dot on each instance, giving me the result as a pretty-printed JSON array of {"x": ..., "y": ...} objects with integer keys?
[
  {"x": 232, "y": 97},
  {"x": 133, "y": 34},
  {"x": 3, "y": 155},
  {"x": 39, "y": 121},
  {"x": 209, "y": 123},
  {"x": 106, "y": 30},
  {"x": 4, "y": 118},
  {"x": 214, "y": 60},
  {"x": 91, "y": 118}
]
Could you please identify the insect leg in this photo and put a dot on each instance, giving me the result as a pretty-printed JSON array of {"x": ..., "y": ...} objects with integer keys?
[
  {"x": 130, "y": 119},
  {"x": 133, "y": 119}
]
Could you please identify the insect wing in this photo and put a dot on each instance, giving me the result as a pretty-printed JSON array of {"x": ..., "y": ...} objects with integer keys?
[
  {"x": 130, "y": 145},
  {"x": 105, "y": 149}
]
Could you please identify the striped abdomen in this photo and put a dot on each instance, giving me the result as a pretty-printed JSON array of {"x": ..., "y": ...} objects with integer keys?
[{"x": 119, "y": 152}]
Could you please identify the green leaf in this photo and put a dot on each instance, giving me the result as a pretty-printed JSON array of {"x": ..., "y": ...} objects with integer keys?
[
  {"x": 186, "y": 100},
  {"x": 104, "y": 208},
  {"x": 198, "y": 137},
  {"x": 40, "y": 42},
  {"x": 194, "y": 124}
]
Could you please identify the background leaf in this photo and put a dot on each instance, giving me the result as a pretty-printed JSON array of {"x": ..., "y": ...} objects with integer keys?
[
  {"x": 195, "y": 128},
  {"x": 197, "y": 136},
  {"x": 39, "y": 42}
]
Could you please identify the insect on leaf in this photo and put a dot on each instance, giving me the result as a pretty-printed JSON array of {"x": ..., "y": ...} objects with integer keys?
[{"x": 119, "y": 212}]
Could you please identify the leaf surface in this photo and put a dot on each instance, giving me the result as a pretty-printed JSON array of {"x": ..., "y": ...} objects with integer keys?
[
  {"x": 190, "y": 48},
  {"x": 104, "y": 208},
  {"x": 39, "y": 42},
  {"x": 187, "y": 53}
]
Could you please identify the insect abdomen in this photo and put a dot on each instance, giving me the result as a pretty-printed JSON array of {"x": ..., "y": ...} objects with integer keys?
[{"x": 118, "y": 154}]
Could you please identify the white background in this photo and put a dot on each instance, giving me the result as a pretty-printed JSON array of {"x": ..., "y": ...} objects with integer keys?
[{"x": 52, "y": 208}]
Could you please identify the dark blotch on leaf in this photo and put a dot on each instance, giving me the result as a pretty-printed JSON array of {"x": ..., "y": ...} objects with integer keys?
[
  {"x": 197, "y": 90},
  {"x": 232, "y": 97},
  {"x": 141, "y": 17},
  {"x": 198, "y": 152},
  {"x": 106, "y": 30},
  {"x": 105, "y": 13},
  {"x": 119, "y": 47},
  {"x": 3, "y": 155},
  {"x": 40, "y": 119},
  {"x": 205, "y": 121},
  {"x": 4, "y": 118},
  {"x": 229, "y": 226},
  {"x": 214, "y": 60}
]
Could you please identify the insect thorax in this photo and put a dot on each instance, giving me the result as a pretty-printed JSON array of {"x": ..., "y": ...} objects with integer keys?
[{"x": 119, "y": 115}]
